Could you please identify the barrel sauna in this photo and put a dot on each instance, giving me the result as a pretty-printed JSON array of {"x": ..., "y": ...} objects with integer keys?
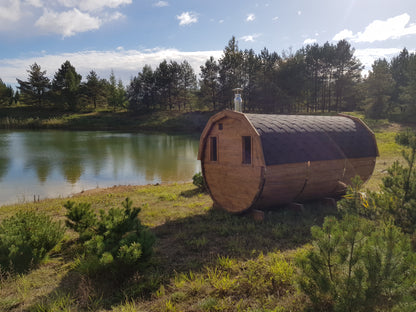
[{"x": 262, "y": 161}]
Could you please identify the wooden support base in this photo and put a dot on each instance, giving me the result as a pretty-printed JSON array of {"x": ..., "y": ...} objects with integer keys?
[
  {"x": 329, "y": 201},
  {"x": 296, "y": 207},
  {"x": 257, "y": 215}
]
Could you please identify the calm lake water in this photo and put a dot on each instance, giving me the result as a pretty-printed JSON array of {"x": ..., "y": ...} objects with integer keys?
[{"x": 60, "y": 163}]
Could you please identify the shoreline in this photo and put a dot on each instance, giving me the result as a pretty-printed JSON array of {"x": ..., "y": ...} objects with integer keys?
[
  {"x": 103, "y": 190},
  {"x": 17, "y": 118}
]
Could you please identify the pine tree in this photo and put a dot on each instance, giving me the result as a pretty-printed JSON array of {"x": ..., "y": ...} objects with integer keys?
[
  {"x": 35, "y": 90},
  {"x": 380, "y": 85},
  {"x": 65, "y": 86}
]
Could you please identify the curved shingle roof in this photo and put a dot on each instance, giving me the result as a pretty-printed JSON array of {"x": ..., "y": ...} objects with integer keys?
[{"x": 296, "y": 138}]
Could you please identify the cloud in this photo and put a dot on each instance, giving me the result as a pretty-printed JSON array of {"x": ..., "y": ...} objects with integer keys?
[
  {"x": 9, "y": 11},
  {"x": 250, "y": 17},
  {"x": 63, "y": 17},
  {"x": 112, "y": 17},
  {"x": 343, "y": 34},
  {"x": 35, "y": 3},
  {"x": 124, "y": 63},
  {"x": 187, "y": 18},
  {"x": 392, "y": 28},
  {"x": 309, "y": 41},
  {"x": 368, "y": 56},
  {"x": 161, "y": 4},
  {"x": 67, "y": 23},
  {"x": 299, "y": 12},
  {"x": 250, "y": 38},
  {"x": 274, "y": 19},
  {"x": 93, "y": 5}
]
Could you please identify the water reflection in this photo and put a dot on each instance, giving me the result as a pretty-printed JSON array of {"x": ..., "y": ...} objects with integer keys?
[
  {"x": 53, "y": 163},
  {"x": 4, "y": 156}
]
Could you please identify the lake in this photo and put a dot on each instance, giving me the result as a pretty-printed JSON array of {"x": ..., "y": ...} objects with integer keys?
[{"x": 44, "y": 164}]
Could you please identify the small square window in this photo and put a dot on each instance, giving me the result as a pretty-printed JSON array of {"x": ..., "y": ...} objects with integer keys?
[{"x": 220, "y": 126}]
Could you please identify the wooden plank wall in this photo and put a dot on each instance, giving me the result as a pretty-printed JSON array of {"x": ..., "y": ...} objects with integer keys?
[
  {"x": 362, "y": 167},
  {"x": 323, "y": 179},
  {"x": 232, "y": 184},
  {"x": 282, "y": 184},
  {"x": 306, "y": 181},
  {"x": 234, "y": 188}
]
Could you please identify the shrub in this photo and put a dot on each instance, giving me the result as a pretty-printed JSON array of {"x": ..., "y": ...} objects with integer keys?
[
  {"x": 397, "y": 199},
  {"x": 81, "y": 218},
  {"x": 26, "y": 238},
  {"x": 199, "y": 182},
  {"x": 114, "y": 238},
  {"x": 356, "y": 266}
]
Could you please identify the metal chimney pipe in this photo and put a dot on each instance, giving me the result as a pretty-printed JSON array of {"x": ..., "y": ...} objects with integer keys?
[{"x": 238, "y": 101}]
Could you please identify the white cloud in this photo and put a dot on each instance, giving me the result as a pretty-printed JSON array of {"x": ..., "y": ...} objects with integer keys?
[
  {"x": 250, "y": 17},
  {"x": 299, "y": 12},
  {"x": 275, "y": 18},
  {"x": 343, "y": 34},
  {"x": 309, "y": 41},
  {"x": 368, "y": 56},
  {"x": 392, "y": 28},
  {"x": 112, "y": 17},
  {"x": 9, "y": 11},
  {"x": 161, "y": 4},
  {"x": 65, "y": 17},
  {"x": 125, "y": 63},
  {"x": 35, "y": 3},
  {"x": 187, "y": 18},
  {"x": 250, "y": 38},
  {"x": 93, "y": 5},
  {"x": 67, "y": 23}
]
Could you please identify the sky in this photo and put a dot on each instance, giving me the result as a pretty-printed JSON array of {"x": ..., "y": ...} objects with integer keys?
[{"x": 124, "y": 35}]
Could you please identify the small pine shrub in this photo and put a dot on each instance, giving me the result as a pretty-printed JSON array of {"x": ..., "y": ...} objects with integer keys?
[
  {"x": 116, "y": 237},
  {"x": 26, "y": 238},
  {"x": 81, "y": 218},
  {"x": 355, "y": 265},
  {"x": 199, "y": 182}
]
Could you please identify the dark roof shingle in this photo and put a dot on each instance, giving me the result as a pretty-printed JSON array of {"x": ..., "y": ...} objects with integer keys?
[{"x": 295, "y": 138}]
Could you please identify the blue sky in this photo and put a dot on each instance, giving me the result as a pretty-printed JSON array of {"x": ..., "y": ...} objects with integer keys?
[{"x": 124, "y": 35}]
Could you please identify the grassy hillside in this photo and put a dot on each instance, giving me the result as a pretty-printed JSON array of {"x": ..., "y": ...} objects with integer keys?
[{"x": 205, "y": 259}]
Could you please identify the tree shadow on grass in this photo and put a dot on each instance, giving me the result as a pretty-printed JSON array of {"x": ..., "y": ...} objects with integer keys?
[{"x": 192, "y": 244}]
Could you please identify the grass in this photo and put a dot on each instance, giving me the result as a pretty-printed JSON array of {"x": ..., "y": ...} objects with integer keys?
[{"x": 205, "y": 259}]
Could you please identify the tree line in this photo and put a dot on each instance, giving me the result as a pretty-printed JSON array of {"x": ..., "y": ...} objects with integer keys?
[{"x": 315, "y": 78}]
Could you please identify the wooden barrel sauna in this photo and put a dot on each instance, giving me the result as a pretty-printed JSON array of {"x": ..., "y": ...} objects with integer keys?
[{"x": 261, "y": 161}]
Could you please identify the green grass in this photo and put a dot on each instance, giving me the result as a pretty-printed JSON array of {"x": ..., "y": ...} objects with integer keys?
[
  {"x": 205, "y": 259},
  {"x": 389, "y": 150}
]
